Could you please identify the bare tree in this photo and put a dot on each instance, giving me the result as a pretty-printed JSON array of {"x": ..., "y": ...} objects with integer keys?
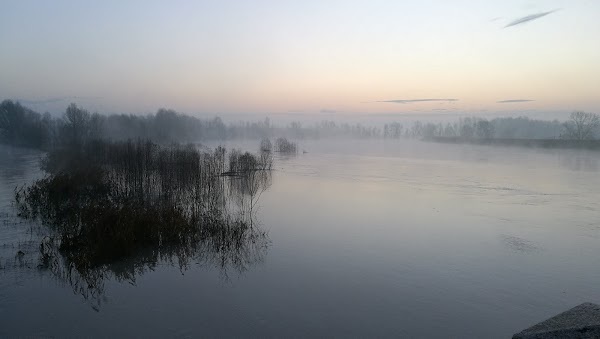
[
  {"x": 484, "y": 129},
  {"x": 581, "y": 126}
]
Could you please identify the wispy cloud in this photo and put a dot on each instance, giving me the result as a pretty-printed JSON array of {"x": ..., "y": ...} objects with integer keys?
[
  {"x": 328, "y": 111},
  {"x": 409, "y": 101},
  {"x": 512, "y": 101},
  {"x": 528, "y": 18}
]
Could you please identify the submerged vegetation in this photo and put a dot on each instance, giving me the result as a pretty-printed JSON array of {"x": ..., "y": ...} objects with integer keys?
[
  {"x": 106, "y": 203},
  {"x": 283, "y": 145},
  {"x": 266, "y": 146}
]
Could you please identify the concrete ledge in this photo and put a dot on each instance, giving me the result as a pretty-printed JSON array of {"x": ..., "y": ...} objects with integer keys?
[{"x": 581, "y": 321}]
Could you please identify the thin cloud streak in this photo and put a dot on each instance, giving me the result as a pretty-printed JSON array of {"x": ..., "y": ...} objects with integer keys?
[
  {"x": 512, "y": 101},
  {"x": 529, "y": 18},
  {"x": 408, "y": 101}
]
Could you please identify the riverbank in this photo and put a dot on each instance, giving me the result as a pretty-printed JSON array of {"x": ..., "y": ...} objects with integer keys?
[
  {"x": 538, "y": 143},
  {"x": 581, "y": 321}
]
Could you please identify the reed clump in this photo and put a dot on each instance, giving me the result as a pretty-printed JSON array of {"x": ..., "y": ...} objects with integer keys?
[
  {"x": 106, "y": 201},
  {"x": 283, "y": 145}
]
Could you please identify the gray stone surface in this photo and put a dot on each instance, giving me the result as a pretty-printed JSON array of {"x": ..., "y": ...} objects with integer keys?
[{"x": 581, "y": 321}]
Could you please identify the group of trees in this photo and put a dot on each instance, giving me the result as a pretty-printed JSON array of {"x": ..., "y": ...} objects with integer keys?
[
  {"x": 478, "y": 128},
  {"x": 327, "y": 128},
  {"x": 580, "y": 126},
  {"x": 24, "y": 127},
  {"x": 164, "y": 126}
]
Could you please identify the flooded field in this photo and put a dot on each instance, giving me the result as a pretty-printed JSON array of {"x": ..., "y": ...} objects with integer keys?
[{"x": 361, "y": 239}]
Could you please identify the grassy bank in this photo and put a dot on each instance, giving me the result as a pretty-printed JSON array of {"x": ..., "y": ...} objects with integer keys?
[{"x": 538, "y": 143}]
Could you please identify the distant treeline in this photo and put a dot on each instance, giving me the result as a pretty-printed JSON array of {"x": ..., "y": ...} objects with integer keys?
[
  {"x": 478, "y": 128},
  {"x": 22, "y": 126}
]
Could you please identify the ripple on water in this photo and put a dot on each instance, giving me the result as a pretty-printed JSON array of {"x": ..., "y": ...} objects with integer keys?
[
  {"x": 518, "y": 244},
  {"x": 18, "y": 243}
]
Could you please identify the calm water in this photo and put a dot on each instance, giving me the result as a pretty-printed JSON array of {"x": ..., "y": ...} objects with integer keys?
[{"x": 368, "y": 238}]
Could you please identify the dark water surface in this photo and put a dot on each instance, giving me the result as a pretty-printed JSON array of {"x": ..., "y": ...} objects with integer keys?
[{"x": 367, "y": 238}]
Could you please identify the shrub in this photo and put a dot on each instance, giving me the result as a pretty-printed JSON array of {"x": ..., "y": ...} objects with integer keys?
[{"x": 282, "y": 145}]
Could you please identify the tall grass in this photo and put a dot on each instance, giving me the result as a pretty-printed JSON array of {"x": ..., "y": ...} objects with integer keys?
[
  {"x": 109, "y": 201},
  {"x": 283, "y": 145}
]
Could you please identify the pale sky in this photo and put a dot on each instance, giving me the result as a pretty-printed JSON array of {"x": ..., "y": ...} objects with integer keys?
[{"x": 302, "y": 56}]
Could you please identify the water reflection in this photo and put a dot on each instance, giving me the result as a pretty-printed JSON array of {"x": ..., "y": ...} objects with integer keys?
[
  {"x": 15, "y": 162},
  {"x": 230, "y": 250},
  {"x": 579, "y": 161},
  {"x": 114, "y": 211}
]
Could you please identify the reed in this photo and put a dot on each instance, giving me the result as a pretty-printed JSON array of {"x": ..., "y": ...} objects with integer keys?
[
  {"x": 109, "y": 201},
  {"x": 283, "y": 145}
]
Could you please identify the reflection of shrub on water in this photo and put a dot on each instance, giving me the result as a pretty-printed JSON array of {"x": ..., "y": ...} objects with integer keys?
[
  {"x": 145, "y": 203},
  {"x": 266, "y": 146},
  {"x": 233, "y": 248},
  {"x": 249, "y": 176}
]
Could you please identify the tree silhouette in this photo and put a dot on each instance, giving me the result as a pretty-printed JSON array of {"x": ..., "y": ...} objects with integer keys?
[{"x": 581, "y": 126}]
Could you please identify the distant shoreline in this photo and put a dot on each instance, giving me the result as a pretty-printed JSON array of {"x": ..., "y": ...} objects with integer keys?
[{"x": 540, "y": 143}]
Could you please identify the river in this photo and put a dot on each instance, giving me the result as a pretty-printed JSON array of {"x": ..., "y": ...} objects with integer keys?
[{"x": 366, "y": 239}]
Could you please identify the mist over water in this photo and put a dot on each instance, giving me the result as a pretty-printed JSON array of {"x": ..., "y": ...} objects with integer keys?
[
  {"x": 354, "y": 169},
  {"x": 368, "y": 238}
]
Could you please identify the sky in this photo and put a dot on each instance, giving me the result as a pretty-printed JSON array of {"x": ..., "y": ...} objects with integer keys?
[{"x": 347, "y": 57}]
